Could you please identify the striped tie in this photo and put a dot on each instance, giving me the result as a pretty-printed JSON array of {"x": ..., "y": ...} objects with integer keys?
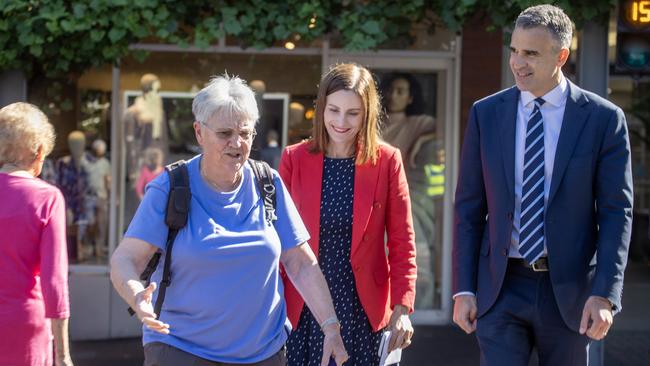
[{"x": 531, "y": 220}]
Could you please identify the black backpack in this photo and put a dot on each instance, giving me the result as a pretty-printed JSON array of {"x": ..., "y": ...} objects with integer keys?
[{"x": 178, "y": 209}]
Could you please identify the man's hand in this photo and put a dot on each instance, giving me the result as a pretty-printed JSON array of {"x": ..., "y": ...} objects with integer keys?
[
  {"x": 597, "y": 317},
  {"x": 465, "y": 311},
  {"x": 400, "y": 328},
  {"x": 145, "y": 312},
  {"x": 333, "y": 345}
]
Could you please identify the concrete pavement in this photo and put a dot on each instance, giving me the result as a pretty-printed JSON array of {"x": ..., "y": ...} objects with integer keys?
[{"x": 628, "y": 343}]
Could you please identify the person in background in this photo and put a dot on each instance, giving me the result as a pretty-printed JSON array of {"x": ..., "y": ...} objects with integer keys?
[
  {"x": 34, "y": 304},
  {"x": 351, "y": 190},
  {"x": 152, "y": 166},
  {"x": 272, "y": 152},
  {"x": 225, "y": 304}
]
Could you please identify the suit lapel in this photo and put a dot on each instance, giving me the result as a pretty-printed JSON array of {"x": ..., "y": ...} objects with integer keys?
[
  {"x": 366, "y": 177},
  {"x": 507, "y": 124},
  {"x": 575, "y": 116},
  {"x": 312, "y": 178}
]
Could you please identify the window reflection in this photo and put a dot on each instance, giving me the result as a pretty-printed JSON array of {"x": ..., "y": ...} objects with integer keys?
[
  {"x": 84, "y": 180},
  {"x": 410, "y": 105}
]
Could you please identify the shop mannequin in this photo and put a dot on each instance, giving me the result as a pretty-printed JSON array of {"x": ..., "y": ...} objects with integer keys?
[
  {"x": 144, "y": 123},
  {"x": 413, "y": 132},
  {"x": 298, "y": 128},
  {"x": 99, "y": 178},
  {"x": 73, "y": 181},
  {"x": 258, "y": 86},
  {"x": 272, "y": 151},
  {"x": 296, "y": 114}
]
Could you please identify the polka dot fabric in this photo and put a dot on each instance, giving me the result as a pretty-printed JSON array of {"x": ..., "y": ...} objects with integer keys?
[{"x": 305, "y": 345}]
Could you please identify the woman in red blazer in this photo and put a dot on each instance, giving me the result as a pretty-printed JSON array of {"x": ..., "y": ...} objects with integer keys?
[{"x": 351, "y": 192}]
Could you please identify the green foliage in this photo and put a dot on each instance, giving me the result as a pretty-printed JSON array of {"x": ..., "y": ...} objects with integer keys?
[{"x": 63, "y": 38}]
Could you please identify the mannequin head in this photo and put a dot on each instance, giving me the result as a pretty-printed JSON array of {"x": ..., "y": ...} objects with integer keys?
[
  {"x": 258, "y": 86},
  {"x": 401, "y": 92},
  {"x": 149, "y": 83},
  {"x": 153, "y": 158},
  {"x": 77, "y": 144},
  {"x": 272, "y": 138},
  {"x": 296, "y": 113},
  {"x": 99, "y": 148}
]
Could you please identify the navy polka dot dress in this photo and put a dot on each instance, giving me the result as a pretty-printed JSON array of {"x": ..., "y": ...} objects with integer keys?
[{"x": 305, "y": 345}]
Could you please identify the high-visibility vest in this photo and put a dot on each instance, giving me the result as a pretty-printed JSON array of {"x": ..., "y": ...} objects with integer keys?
[{"x": 436, "y": 179}]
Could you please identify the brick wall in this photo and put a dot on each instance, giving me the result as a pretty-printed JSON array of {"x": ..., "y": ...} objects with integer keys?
[{"x": 480, "y": 66}]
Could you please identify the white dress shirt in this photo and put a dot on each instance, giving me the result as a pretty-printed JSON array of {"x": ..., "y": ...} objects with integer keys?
[{"x": 552, "y": 114}]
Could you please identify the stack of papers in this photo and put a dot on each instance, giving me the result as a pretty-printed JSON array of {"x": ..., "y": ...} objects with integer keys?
[{"x": 386, "y": 358}]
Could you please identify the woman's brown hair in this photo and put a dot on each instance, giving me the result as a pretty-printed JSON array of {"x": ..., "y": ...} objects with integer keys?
[{"x": 356, "y": 78}]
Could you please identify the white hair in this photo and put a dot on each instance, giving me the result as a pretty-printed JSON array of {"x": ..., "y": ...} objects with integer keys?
[
  {"x": 225, "y": 97},
  {"x": 24, "y": 130}
]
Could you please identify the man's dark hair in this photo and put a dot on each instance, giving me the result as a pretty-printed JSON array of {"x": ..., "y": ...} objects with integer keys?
[{"x": 550, "y": 17}]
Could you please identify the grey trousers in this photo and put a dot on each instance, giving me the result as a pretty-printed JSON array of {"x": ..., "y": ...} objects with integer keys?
[{"x": 161, "y": 354}]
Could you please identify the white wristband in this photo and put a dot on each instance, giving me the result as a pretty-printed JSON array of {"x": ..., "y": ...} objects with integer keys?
[{"x": 332, "y": 320}]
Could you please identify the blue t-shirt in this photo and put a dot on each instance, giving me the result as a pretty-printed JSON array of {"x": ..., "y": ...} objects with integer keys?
[{"x": 225, "y": 302}]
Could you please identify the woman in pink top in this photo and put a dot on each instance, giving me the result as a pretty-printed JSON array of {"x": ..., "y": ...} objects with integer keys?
[
  {"x": 33, "y": 256},
  {"x": 152, "y": 166}
]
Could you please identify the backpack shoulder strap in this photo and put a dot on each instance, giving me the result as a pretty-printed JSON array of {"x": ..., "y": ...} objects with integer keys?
[
  {"x": 264, "y": 179},
  {"x": 178, "y": 208}
]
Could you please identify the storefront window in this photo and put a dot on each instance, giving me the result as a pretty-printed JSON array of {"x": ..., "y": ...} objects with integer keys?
[
  {"x": 156, "y": 127},
  {"x": 410, "y": 100},
  {"x": 80, "y": 163}
]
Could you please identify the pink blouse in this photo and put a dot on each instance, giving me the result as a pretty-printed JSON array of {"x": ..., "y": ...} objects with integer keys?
[
  {"x": 144, "y": 178},
  {"x": 33, "y": 269}
]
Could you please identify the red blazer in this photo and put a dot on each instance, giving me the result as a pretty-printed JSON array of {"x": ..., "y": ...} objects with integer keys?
[{"x": 381, "y": 205}]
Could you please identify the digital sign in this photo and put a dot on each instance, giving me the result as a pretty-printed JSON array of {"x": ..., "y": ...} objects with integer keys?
[
  {"x": 633, "y": 37},
  {"x": 637, "y": 13}
]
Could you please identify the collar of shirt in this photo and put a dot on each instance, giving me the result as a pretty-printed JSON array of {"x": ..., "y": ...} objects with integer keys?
[{"x": 556, "y": 97}]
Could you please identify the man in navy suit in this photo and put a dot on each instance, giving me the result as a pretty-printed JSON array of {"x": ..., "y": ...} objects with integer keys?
[{"x": 543, "y": 208}]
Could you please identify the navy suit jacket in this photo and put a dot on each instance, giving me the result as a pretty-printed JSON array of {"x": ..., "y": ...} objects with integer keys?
[{"x": 588, "y": 217}]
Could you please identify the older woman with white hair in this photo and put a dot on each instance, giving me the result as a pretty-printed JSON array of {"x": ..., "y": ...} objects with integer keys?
[
  {"x": 34, "y": 304},
  {"x": 225, "y": 304}
]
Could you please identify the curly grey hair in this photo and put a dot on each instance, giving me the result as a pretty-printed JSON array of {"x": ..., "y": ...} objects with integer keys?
[
  {"x": 24, "y": 130},
  {"x": 225, "y": 97},
  {"x": 550, "y": 17}
]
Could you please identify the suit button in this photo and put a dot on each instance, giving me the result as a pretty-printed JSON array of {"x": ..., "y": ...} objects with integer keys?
[
  {"x": 510, "y": 216},
  {"x": 505, "y": 251},
  {"x": 378, "y": 205},
  {"x": 365, "y": 238}
]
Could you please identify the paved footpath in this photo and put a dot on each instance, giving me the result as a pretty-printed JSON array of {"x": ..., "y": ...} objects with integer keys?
[
  {"x": 627, "y": 344},
  {"x": 433, "y": 346}
]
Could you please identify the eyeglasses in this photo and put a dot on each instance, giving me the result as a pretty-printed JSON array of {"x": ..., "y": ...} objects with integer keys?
[{"x": 227, "y": 134}]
